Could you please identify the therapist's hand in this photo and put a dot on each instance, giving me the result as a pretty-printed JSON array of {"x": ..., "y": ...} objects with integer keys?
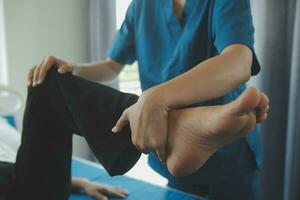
[
  {"x": 148, "y": 119},
  {"x": 38, "y": 73}
]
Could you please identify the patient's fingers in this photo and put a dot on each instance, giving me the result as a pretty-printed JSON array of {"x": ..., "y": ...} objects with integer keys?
[
  {"x": 100, "y": 196},
  {"x": 114, "y": 191},
  {"x": 120, "y": 192}
]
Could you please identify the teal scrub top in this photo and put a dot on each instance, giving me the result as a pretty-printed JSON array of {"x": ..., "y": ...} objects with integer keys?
[{"x": 166, "y": 47}]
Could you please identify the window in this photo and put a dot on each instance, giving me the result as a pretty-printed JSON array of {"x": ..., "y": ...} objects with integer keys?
[{"x": 129, "y": 77}]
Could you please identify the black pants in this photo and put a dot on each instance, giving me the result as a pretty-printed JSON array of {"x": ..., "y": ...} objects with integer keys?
[{"x": 61, "y": 106}]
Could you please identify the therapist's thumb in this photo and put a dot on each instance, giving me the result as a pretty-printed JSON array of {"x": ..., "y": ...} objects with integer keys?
[
  {"x": 65, "y": 68},
  {"x": 121, "y": 123}
]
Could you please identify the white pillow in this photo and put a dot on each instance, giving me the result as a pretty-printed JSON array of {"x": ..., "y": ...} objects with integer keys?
[{"x": 10, "y": 140}]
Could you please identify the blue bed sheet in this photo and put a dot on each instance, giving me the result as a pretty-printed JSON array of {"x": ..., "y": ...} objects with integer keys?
[{"x": 139, "y": 190}]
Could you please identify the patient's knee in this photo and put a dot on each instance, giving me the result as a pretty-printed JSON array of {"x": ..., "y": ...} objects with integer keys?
[{"x": 44, "y": 89}]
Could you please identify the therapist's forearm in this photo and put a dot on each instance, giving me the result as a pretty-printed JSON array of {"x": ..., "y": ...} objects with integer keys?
[
  {"x": 211, "y": 79},
  {"x": 103, "y": 71}
]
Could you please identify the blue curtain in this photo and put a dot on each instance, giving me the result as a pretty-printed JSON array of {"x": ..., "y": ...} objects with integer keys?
[
  {"x": 292, "y": 170},
  {"x": 101, "y": 30},
  {"x": 101, "y": 27},
  {"x": 278, "y": 47}
]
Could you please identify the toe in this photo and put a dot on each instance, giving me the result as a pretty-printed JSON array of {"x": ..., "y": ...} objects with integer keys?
[
  {"x": 247, "y": 102},
  {"x": 261, "y": 113},
  {"x": 262, "y": 109},
  {"x": 264, "y": 100},
  {"x": 262, "y": 118}
]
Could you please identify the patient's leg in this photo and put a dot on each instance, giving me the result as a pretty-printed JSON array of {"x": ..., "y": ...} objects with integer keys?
[
  {"x": 61, "y": 106},
  {"x": 196, "y": 133}
]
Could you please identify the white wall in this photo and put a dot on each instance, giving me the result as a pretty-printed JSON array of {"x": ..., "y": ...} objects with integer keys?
[
  {"x": 37, "y": 28},
  {"x": 3, "y": 57}
]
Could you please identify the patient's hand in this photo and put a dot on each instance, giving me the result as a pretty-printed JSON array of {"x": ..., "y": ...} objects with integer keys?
[{"x": 98, "y": 190}]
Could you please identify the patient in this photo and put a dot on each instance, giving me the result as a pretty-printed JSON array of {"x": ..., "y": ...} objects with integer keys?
[
  {"x": 66, "y": 104},
  {"x": 10, "y": 141}
]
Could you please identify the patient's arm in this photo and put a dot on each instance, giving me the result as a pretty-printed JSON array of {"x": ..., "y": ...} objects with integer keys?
[{"x": 98, "y": 190}]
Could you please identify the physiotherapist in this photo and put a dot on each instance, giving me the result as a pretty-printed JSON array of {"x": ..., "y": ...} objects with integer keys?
[{"x": 190, "y": 53}]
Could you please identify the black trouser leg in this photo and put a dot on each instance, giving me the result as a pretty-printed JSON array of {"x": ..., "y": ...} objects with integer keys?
[
  {"x": 61, "y": 106},
  {"x": 6, "y": 172}
]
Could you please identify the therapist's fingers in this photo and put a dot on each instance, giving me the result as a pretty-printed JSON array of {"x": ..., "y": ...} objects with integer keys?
[
  {"x": 122, "y": 122},
  {"x": 161, "y": 152},
  {"x": 36, "y": 73},
  {"x": 30, "y": 76},
  {"x": 48, "y": 62}
]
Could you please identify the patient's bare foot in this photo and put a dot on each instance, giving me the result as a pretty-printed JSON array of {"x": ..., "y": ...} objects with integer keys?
[{"x": 196, "y": 133}]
